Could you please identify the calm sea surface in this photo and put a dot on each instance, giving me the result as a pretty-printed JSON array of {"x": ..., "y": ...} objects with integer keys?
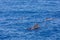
[{"x": 18, "y": 15}]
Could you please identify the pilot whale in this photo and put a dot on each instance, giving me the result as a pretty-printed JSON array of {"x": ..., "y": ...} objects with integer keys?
[{"x": 36, "y": 26}]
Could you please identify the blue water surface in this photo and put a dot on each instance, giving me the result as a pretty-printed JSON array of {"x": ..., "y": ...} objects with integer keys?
[{"x": 18, "y": 15}]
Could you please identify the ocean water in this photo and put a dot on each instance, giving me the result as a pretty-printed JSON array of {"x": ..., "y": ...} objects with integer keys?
[{"x": 18, "y": 15}]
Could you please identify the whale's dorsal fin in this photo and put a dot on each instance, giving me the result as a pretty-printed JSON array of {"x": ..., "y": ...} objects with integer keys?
[{"x": 34, "y": 27}]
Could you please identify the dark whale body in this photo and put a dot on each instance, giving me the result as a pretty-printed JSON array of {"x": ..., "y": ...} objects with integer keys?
[{"x": 36, "y": 26}]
